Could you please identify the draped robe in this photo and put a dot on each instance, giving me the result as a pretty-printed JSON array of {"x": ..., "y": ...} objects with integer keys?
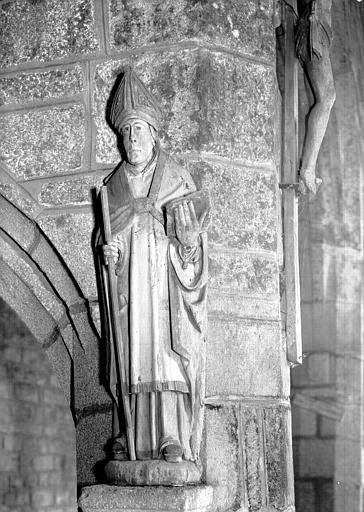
[{"x": 162, "y": 300}]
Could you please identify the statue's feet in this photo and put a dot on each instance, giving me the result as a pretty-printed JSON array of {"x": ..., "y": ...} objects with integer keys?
[
  {"x": 171, "y": 450},
  {"x": 118, "y": 449},
  {"x": 308, "y": 183}
]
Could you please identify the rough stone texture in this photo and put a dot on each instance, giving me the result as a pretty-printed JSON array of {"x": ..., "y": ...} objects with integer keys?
[
  {"x": 235, "y": 350},
  {"x": 45, "y": 30},
  {"x": 29, "y": 87},
  {"x": 254, "y": 461},
  {"x": 222, "y": 458},
  {"x": 44, "y": 142},
  {"x": 16, "y": 225},
  {"x": 56, "y": 271},
  {"x": 242, "y": 27},
  {"x": 24, "y": 302},
  {"x": 215, "y": 103},
  {"x": 61, "y": 362},
  {"x": 71, "y": 234},
  {"x": 33, "y": 279},
  {"x": 17, "y": 195},
  {"x": 37, "y": 436},
  {"x": 278, "y": 455},
  {"x": 244, "y": 273},
  {"x": 73, "y": 191},
  {"x": 243, "y": 206},
  {"x": 155, "y": 472},
  {"x": 129, "y": 499},
  {"x": 242, "y": 306},
  {"x": 92, "y": 429}
]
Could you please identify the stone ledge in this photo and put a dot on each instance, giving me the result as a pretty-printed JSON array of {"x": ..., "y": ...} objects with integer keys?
[
  {"x": 107, "y": 498},
  {"x": 152, "y": 472}
]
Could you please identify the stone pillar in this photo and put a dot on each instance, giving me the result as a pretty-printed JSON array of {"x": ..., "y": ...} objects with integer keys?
[
  {"x": 328, "y": 458},
  {"x": 212, "y": 65}
]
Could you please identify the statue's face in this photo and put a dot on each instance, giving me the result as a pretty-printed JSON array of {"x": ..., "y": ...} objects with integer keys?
[{"x": 138, "y": 142}]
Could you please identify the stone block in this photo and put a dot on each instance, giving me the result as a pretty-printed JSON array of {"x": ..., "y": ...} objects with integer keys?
[
  {"x": 241, "y": 306},
  {"x": 348, "y": 453},
  {"x": 42, "y": 143},
  {"x": 42, "y": 498},
  {"x": 72, "y": 191},
  {"x": 17, "y": 196},
  {"x": 253, "y": 453},
  {"x": 62, "y": 366},
  {"x": 152, "y": 472},
  {"x": 304, "y": 422},
  {"x": 327, "y": 427},
  {"x": 46, "y": 30},
  {"x": 243, "y": 358},
  {"x": 320, "y": 368},
  {"x": 349, "y": 427},
  {"x": 243, "y": 273},
  {"x": 19, "y": 227},
  {"x": 222, "y": 456},
  {"x": 318, "y": 326},
  {"x": 348, "y": 325},
  {"x": 55, "y": 270},
  {"x": 11, "y": 354},
  {"x": 40, "y": 86},
  {"x": 137, "y": 499},
  {"x": 242, "y": 27},
  {"x": 243, "y": 209},
  {"x": 325, "y": 496},
  {"x": 43, "y": 463},
  {"x": 212, "y": 102},
  {"x": 22, "y": 300},
  {"x": 33, "y": 278},
  {"x": 304, "y": 496},
  {"x": 349, "y": 376},
  {"x": 348, "y": 496},
  {"x": 334, "y": 273},
  {"x": 93, "y": 431},
  {"x": 71, "y": 234},
  {"x": 278, "y": 456},
  {"x": 314, "y": 458},
  {"x": 26, "y": 393}
]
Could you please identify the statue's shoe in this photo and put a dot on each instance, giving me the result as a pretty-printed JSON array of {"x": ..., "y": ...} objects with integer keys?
[{"x": 171, "y": 450}]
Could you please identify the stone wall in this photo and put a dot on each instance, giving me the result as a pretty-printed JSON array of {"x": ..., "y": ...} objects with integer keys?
[
  {"x": 328, "y": 460},
  {"x": 37, "y": 434},
  {"x": 212, "y": 67}
]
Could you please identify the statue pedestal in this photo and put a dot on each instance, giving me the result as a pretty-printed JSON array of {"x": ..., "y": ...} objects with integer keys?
[
  {"x": 152, "y": 472},
  {"x": 108, "y": 498}
]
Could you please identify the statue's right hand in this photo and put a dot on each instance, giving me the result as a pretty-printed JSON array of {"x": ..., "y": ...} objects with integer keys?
[{"x": 111, "y": 249}]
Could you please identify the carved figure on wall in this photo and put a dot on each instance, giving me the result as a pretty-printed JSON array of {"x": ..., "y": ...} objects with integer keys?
[
  {"x": 313, "y": 41},
  {"x": 158, "y": 227}
]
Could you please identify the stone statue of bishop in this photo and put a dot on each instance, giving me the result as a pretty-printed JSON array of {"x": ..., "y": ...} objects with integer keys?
[{"x": 158, "y": 223}]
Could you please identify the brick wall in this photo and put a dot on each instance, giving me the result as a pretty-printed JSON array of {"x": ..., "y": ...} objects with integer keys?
[{"x": 37, "y": 434}]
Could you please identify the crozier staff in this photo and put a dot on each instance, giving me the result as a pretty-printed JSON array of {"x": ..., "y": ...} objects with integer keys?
[{"x": 161, "y": 282}]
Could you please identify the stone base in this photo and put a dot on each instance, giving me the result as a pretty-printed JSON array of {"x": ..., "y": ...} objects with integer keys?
[
  {"x": 107, "y": 498},
  {"x": 152, "y": 472}
]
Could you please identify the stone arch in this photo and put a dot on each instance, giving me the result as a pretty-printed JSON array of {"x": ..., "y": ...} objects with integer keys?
[{"x": 38, "y": 285}]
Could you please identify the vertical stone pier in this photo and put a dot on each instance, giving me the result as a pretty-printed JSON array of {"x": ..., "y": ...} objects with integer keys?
[{"x": 212, "y": 66}]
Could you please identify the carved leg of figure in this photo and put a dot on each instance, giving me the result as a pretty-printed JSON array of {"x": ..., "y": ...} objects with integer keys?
[
  {"x": 170, "y": 442},
  {"x": 162, "y": 426},
  {"x": 320, "y": 77}
]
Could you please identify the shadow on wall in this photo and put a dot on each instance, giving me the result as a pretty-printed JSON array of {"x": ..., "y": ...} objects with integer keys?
[{"x": 37, "y": 434}]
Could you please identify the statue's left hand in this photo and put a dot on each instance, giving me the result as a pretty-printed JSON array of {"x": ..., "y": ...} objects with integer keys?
[{"x": 187, "y": 225}]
